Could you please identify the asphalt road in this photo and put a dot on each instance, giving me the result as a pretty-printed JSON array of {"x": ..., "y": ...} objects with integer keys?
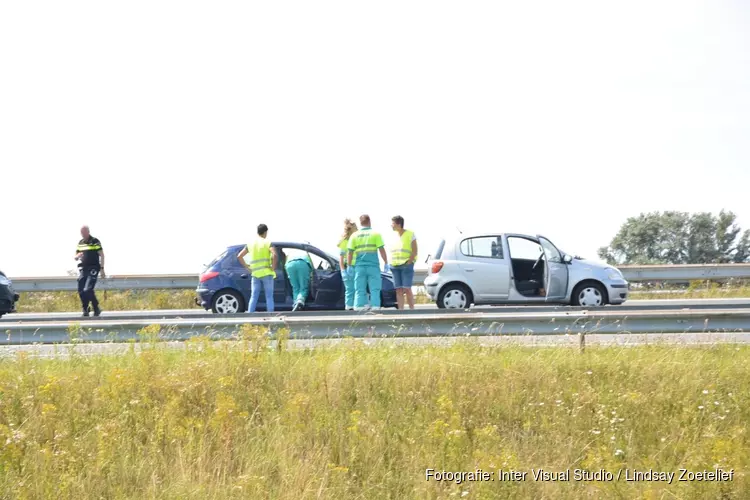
[
  {"x": 631, "y": 305},
  {"x": 571, "y": 341}
]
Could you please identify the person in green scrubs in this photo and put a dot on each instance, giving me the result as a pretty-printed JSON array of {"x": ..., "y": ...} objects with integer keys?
[
  {"x": 347, "y": 273},
  {"x": 299, "y": 269}
]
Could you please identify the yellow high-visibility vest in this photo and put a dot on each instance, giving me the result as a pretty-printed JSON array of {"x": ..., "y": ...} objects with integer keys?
[
  {"x": 344, "y": 250},
  {"x": 261, "y": 262},
  {"x": 364, "y": 244},
  {"x": 401, "y": 251}
]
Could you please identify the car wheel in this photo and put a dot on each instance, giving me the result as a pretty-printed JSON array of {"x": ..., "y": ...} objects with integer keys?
[
  {"x": 454, "y": 297},
  {"x": 227, "y": 302},
  {"x": 590, "y": 295}
]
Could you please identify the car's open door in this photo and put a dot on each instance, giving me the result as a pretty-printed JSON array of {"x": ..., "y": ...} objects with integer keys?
[
  {"x": 326, "y": 285},
  {"x": 555, "y": 271}
]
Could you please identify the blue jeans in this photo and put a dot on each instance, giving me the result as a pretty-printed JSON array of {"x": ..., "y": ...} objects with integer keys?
[
  {"x": 347, "y": 276},
  {"x": 255, "y": 284},
  {"x": 403, "y": 276},
  {"x": 365, "y": 276}
]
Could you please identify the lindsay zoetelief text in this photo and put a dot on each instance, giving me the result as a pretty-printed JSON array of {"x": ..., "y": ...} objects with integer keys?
[{"x": 629, "y": 475}]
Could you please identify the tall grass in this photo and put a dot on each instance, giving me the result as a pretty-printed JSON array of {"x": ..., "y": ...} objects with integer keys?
[
  {"x": 225, "y": 421},
  {"x": 713, "y": 291},
  {"x": 131, "y": 300},
  {"x": 109, "y": 300}
]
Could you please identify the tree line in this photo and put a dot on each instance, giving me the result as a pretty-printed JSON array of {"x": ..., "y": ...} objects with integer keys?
[{"x": 679, "y": 238}]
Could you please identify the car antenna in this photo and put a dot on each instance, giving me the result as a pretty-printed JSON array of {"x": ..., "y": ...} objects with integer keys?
[{"x": 459, "y": 230}]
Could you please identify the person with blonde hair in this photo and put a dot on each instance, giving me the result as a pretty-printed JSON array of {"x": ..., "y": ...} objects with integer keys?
[{"x": 347, "y": 272}]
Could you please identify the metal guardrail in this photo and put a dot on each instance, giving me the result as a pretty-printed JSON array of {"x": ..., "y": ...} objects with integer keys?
[
  {"x": 157, "y": 315},
  {"x": 380, "y": 325},
  {"x": 672, "y": 273},
  {"x": 125, "y": 282}
]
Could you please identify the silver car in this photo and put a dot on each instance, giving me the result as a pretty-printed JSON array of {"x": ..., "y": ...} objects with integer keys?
[{"x": 497, "y": 268}]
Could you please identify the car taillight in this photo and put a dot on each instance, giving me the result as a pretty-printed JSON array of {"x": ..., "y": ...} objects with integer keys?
[
  {"x": 208, "y": 276},
  {"x": 436, "y": 267}
]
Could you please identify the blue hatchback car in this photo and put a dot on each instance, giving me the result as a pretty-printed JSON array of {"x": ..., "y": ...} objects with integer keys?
[{"x": 224, "y": 286}]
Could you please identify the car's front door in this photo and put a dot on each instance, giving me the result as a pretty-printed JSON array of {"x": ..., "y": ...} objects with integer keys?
[
  {"x": 555, "y": 271},
  {"x": 485, "y": 267},
  {"x": 326, "y": 286}
]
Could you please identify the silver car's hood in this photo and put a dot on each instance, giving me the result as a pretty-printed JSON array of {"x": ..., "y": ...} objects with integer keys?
[{"x": 589, "y": 264}]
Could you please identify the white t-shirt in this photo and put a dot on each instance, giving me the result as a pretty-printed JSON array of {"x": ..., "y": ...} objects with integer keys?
[
  {"x": 397, "y": 237},
  {"x": 294, "y": 253}
]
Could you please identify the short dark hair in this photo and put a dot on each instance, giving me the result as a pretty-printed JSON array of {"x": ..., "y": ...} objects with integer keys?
[
  {"x": 398, "y": 220},
  {"x": 262, "y": 229},
  {"x": 364, "y": 220}
]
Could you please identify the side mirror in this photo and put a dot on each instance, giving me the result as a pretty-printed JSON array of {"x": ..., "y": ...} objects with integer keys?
[{"x": 567, "y": 259}]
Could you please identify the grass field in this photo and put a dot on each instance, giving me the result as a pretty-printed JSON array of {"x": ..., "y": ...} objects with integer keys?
[
  {"x": 227, "y": 421},
  {"x": 184, "y": 299}
]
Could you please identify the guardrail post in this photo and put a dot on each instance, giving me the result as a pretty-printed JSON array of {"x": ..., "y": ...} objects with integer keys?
[{"x": 581, "y": 341}]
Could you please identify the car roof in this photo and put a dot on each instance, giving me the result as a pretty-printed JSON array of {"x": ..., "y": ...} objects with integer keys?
[
  {"x": 478, "y": 234},
  {"x": 291, "y": 244},
  {"x": 280, "y": 244}
]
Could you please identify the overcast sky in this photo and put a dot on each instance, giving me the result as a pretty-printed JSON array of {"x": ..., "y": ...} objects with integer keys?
[{"x": 174, "y": 128}]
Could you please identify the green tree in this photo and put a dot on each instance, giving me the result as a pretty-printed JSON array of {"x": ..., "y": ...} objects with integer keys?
[{"x": 679, "y": 238}]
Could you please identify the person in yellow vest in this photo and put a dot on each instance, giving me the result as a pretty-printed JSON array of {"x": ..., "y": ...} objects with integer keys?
[
  {"x": 347, "y": 272},
  {"x": 262, "y": 267},
  {"x": 403, "y": 256},
  {"x": 364, "y": 246},
  {"x": 299, "y": 269}
]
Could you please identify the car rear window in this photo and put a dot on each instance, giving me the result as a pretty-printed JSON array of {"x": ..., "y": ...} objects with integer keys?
[
  {"x": 439, "y": 251},
  {"x": 217, "y": 259}
]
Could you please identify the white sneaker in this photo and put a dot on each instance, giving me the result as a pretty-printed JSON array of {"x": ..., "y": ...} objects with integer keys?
[{"x": 349, "y": 308}]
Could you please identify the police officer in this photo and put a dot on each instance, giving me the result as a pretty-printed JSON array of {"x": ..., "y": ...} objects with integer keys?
[{"x": 90, "y": 257}]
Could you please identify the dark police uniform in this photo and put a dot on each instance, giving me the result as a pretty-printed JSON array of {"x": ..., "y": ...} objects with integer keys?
[{"x": 88, "y": 272}]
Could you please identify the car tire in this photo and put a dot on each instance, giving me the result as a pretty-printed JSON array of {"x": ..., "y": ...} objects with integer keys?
[
  {"x": 227, "y": 301},
  {"x": 454, "y": 296},
  {"x": 589, "y": 294}
]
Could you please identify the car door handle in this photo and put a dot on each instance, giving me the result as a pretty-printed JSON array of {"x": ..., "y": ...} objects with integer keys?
[
  {"x": 469, "y": 270},
  {"x": 243, "y": 276}
]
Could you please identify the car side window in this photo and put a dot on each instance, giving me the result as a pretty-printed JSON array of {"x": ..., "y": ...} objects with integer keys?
[
  {"x": 490, "y": 247},
  {"x": 521, "y": 248},
  {"x": 280, "y": 257},
  {"x": 320, "y": 263},
  {"x": 550, "y": 252}
]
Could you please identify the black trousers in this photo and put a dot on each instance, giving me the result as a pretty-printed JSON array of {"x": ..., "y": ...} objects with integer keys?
[{"x": 87, "y": 277}]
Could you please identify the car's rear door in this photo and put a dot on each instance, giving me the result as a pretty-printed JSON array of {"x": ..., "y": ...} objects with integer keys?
[
  {"x": 282, "y": 289},
  {"x": 555, "y": 271},
  {"x": 486, "y": 267},
  {"x": 238, "y": 275},
  {"x": 243, "y": 278}
]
